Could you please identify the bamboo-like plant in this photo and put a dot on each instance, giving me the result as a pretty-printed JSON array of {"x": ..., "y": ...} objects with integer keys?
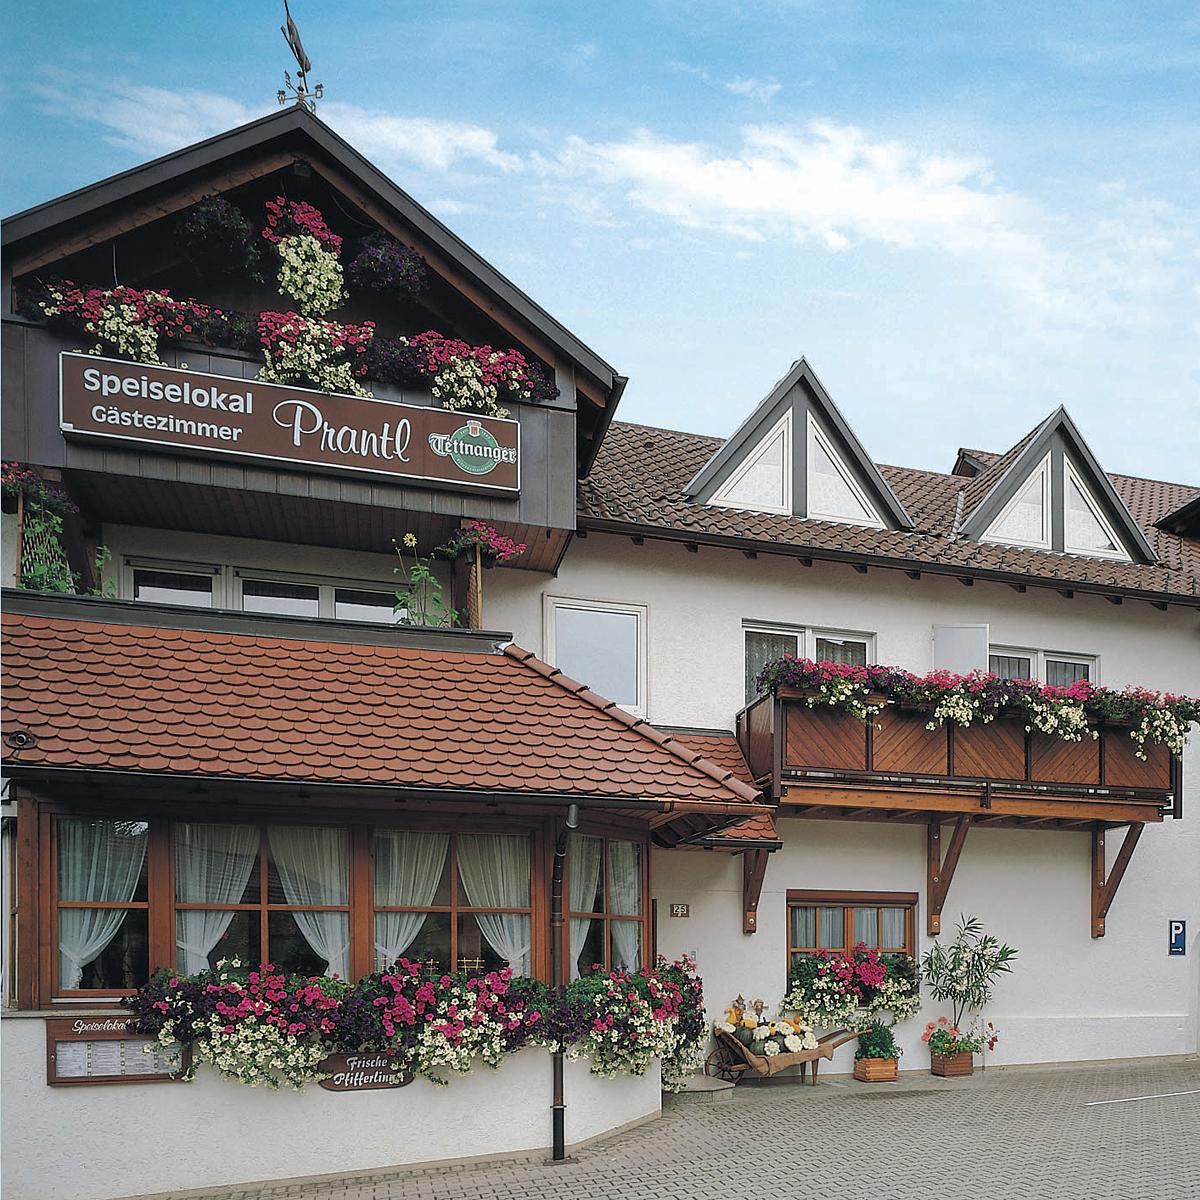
[{"x": 964, "y": 973}]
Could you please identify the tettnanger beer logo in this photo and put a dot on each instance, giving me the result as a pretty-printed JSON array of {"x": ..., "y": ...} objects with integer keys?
[{"x": 472, "y": 449}]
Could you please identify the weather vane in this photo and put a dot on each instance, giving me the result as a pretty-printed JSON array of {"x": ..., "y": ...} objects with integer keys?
[{"x": 298, "y": 92}]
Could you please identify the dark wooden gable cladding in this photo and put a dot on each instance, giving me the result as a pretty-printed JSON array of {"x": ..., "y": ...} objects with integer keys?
[{"x": 125, "y": 226}]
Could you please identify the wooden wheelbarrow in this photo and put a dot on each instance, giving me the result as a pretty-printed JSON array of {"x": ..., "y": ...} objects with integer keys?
[{"x": 732, "y": 1061}]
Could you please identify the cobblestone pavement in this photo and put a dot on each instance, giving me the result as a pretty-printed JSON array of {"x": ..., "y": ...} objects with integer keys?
[{"x": 1017, "y": 1134}]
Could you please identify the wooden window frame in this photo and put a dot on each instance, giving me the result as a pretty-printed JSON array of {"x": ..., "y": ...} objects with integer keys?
[
  {"x": 607, "y": 918},
  {"x": 848, "y": 902},
  {"x": 455, "y": 909},
  {"x": 35, "y": 965}
]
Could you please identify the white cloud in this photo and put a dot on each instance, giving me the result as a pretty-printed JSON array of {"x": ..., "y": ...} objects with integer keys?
[
  {"x": 148, "y": 120},
  {"x": 428, "y": 142},
  {"x": 756, "y": 89}
]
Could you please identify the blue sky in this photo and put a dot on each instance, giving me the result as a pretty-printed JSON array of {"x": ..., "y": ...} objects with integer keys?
[{"x": 961, "y": 214}]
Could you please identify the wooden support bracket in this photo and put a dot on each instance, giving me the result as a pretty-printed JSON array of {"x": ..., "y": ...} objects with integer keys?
[
  {"x": 1104, "y": 886},
  {"x": 941, "y": 870},
  {"x": 754, "y": 870}
]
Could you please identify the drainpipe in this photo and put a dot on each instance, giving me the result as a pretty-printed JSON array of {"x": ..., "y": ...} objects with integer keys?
[{"x": 558, "y": 1107}]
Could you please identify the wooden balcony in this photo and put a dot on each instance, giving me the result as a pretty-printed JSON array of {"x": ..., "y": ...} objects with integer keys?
[{"x": 820, "y": 763}]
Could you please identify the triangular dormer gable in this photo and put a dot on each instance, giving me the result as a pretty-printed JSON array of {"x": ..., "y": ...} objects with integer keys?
[
  {"x": 1048, "y": 492},
  {"x": 796, "y": 455}
]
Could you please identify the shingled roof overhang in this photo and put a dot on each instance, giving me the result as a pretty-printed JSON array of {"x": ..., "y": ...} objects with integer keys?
[
  {"x": 802, "y": 550},
  {"x": 154, "y": 190},
  {"x": 122, "y": 692}
]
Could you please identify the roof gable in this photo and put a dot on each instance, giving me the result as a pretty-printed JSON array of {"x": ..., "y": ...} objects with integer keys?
[
  {"x": 1052, "y": 466},
  {"x": 823, "y": 464}
]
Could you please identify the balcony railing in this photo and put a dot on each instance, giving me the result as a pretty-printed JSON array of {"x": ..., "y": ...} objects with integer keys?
[{"x": 791, "y": 746}]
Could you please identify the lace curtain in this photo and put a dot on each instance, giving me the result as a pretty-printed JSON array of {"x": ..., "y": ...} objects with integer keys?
[
  {"x": 314, "y": 868},
  {"x": 100, "y": 861},
  {"x": 495, "y": 874},
  {"x": 212, "y": 866},
  {"x": 584, "y": 876},
  {"x": 625, "y": 899},
  {"x": 408, "y": 869}
]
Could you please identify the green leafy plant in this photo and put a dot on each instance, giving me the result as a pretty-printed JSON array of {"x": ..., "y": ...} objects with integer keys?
[
  {"x": 877, "y": 1042},
  {"x": 421, "y": 600},
  {"x": 964, "y": 973}
]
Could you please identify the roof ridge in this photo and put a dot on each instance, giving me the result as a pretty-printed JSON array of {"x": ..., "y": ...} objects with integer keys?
[{"x": 611, "y": 708}]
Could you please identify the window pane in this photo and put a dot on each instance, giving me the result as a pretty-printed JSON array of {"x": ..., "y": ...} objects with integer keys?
[
  {"x": 599, "y": 649},
  {"x": 308, "y": 865},
  {"x": 228, "y": 935},
  {"x": 216, "y": 864},
  {"x": 1084, "y": 530},
  {"x": 294, "y": 936},
  {"x": 102, "y": 861},
  {"x": 173, "y": 587},
  {"x": 804, "y": 927},
  {"x": 1010, "y": 666},
  {"x": 587, "y": 944},
  {"x": 832, "y": 928},
  {"x": 490, "y": 941},
  {"x": 493, "y": 871},
  {"x": 842, "y": 650},
  {"x": 1061, "y": 672},
  {"x": 282, "y": 599},
  {"x": 866, "y": 927},
  {"x": 411, "y": 869},
  {"x": 626, "y": 945},
  {"x": 118, "y": 940},
  {"x": 430, "y": 947},
  {"x": 583, "y": 870},
  {"x": 892, "y": 928},
  {"x": 762, "y": 648},
  {"x": 625, "y": 878},
  {"x": 350, "y": 604}
]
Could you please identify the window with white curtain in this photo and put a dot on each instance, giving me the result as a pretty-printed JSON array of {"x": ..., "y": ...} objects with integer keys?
[
  {"x": 1043, "y": 666},
  {"x": 453, "y": 902},
  {"x": 840, "y": 921},
  {"x": 765, "y": 642},
  {"x": 606, "y": 907},
  {"x": 102, "y": 909}
]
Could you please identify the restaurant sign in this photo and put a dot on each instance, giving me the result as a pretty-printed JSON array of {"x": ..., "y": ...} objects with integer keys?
[
  {"x": 246, "y": 418},
  {"x": 362, "y": 1073}
]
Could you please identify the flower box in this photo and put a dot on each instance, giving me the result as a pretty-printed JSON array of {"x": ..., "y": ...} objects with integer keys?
[
  {"x": 950, "y": 1066},
  {"x": 876, "y": 1070}
]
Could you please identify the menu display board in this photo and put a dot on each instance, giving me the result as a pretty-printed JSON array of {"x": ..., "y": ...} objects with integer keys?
[{"x": 101, "y": 1050}]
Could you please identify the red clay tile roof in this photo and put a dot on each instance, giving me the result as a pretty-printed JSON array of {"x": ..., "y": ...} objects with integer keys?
[
  {"x": 723, "y": 750},
  {"x": 105, "y": 696},
  {"x": 641, "y": 471}
]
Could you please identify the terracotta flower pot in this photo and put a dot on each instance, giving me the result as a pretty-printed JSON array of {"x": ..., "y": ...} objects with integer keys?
[
  {"x": 950, "y": 1066},
  {"x": 876, "y": 1070}
]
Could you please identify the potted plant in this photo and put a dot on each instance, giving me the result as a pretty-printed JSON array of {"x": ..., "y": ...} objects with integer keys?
[
  {"x": 952, "y": 1051},
  {"x": 964, "y": 975},
  {"x": 388, "y": 269},
  {"x": 877, "y": 1057}
]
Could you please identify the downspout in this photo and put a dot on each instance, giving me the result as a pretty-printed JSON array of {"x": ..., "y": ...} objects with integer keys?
[{"x": 558, "y": 1107}]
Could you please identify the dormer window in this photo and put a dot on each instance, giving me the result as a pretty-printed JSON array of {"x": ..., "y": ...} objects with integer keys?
[
  {"x": 833, "y": 493},
  {"x": 1025, "y": 520}
]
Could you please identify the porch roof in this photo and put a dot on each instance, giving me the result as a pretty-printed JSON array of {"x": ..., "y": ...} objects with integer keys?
[{"x": 104, "y": 692}]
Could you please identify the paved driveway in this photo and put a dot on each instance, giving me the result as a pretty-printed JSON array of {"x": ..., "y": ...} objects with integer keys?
[{"x": 1043, "y": 1134}]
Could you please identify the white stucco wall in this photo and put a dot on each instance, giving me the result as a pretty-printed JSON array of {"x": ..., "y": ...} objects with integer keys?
[
  {"x": 199, "y": 1129},
  {"x": 1070, "y": 996}
]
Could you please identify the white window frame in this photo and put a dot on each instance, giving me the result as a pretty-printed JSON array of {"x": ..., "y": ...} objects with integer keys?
[
  {"x": 550, "y": 605},
  {"x": 1037, "y": 660},
  {"x": 806, "y": 637},
  {"x": 817, "y": 435},
  {"x": 1047, "y": 539},
  {"x": 227, "y": 583},
  {"x": 1070, "y": 475},
  {"x": 751, "y": 460}
]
